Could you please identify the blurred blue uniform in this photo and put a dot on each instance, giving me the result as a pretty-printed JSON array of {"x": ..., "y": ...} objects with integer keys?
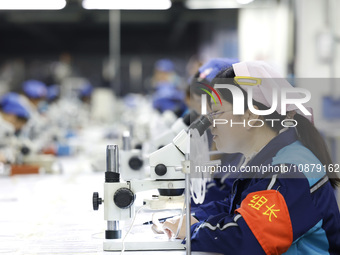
[
  {"x": 168, "y": 97},
  {"x": 53, "y": 92}
]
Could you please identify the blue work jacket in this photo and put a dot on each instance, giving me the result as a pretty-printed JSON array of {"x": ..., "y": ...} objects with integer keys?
[{"x": 281, "y": 207}]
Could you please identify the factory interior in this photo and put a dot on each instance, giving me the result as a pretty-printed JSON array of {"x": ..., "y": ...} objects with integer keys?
[{"x": 98, "y": 115}]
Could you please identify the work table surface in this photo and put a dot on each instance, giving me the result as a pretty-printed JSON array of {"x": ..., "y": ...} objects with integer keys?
[{"x": 52, "y": 213}]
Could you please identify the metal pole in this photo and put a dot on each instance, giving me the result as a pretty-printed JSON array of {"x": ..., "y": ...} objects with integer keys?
[
  {"x": 113, "y": 225},
  {"x": 126, "y": 141},
  {"x": 331, "y": 9},
  {"x": 114, "y": 49},
  {"x": 112, "y": 175},
  {"x": 112, "y": 158},
  {"x": 187, "y": 204}
]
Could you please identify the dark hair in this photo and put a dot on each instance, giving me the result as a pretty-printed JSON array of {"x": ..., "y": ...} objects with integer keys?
[
  {"x": 23, "y": 119},
  {"x": 195, "y": 84},
  {"x": 20, "y": 118},
  {"x": 308, "y": 135}
]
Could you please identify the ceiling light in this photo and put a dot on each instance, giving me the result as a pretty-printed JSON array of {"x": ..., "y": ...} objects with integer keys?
[
  {"x": 244, "y": 1},
  {"x": 127, "y": 4},
  {"x": 32, "y": 4},
  {"x": 216, "y": 4}
]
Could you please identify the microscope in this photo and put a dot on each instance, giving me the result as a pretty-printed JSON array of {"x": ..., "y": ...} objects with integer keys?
[
  {"x": 180, "y": 124},
  {"x": 169, "y": 171},
  {"x": 131, "y": 160}
]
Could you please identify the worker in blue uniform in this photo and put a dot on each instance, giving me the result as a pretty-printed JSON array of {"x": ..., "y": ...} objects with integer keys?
[
  {"x": 53, "y": 93},
  {"x": 85, "y": 93},
  {"x": 13, "y": 117},
  {"x": 167, "y": 97},
  {"x": 13, "y": 110},
  {"x": 36, "y": 92},
  {"x": 283, "y": 202},
  {"x": 164, "y": 72}
]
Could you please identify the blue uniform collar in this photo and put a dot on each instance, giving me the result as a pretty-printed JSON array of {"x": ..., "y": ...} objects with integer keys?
[
  {"x": 264, "y": 157},
  {"x": 277, "y": 143}
]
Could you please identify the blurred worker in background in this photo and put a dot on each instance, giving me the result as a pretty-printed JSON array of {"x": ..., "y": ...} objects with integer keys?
[
  {"x": 38, "y": 131},
  {"x": 36, "y": 92},
  {"x": 53, "y": 93},
  {"x": 84, "y": 104},
  {"x": 164, "y": 71},
  {"x": 72, "y": 109},
  {"x": 167, "y": 94},
  {"x": 85, "y": 93},
  {"x": 13, "y": 116},
  {"x": 168, "y": 97},
  {"x": 14, "y": 111}
]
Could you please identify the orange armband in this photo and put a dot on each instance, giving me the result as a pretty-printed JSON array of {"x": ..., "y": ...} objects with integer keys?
[{"x": 267, "y": 216}]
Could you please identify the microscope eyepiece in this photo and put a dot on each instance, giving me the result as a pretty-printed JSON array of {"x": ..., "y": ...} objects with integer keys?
[
  {"x": 190, "y": 117},
  {"x": 201, "y": 124}
]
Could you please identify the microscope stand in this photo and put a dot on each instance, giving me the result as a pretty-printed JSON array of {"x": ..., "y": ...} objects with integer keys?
[{"x": 140, "y": 244}]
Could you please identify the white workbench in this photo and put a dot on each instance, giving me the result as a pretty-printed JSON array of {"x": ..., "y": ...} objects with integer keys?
[{"x": 52, "y": 214}]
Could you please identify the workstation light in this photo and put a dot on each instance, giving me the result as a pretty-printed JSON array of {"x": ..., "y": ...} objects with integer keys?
[
  {"x": 32, "y": 4},
  {"x": 127, "y": 4}
]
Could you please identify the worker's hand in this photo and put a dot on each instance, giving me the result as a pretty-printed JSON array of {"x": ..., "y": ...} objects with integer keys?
[{"x": 170, "y": 227}]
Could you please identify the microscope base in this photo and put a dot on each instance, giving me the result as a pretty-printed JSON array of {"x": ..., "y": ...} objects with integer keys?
[{"x": 140, "y": 245}]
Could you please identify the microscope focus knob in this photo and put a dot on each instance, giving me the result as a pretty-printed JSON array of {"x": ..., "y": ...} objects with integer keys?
[
  {"x": 96, "y": 201},
  {"x": 135, "y": 163},
  {"x": 123, "y": 198},
  {"x": 160, "y": 169}
]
